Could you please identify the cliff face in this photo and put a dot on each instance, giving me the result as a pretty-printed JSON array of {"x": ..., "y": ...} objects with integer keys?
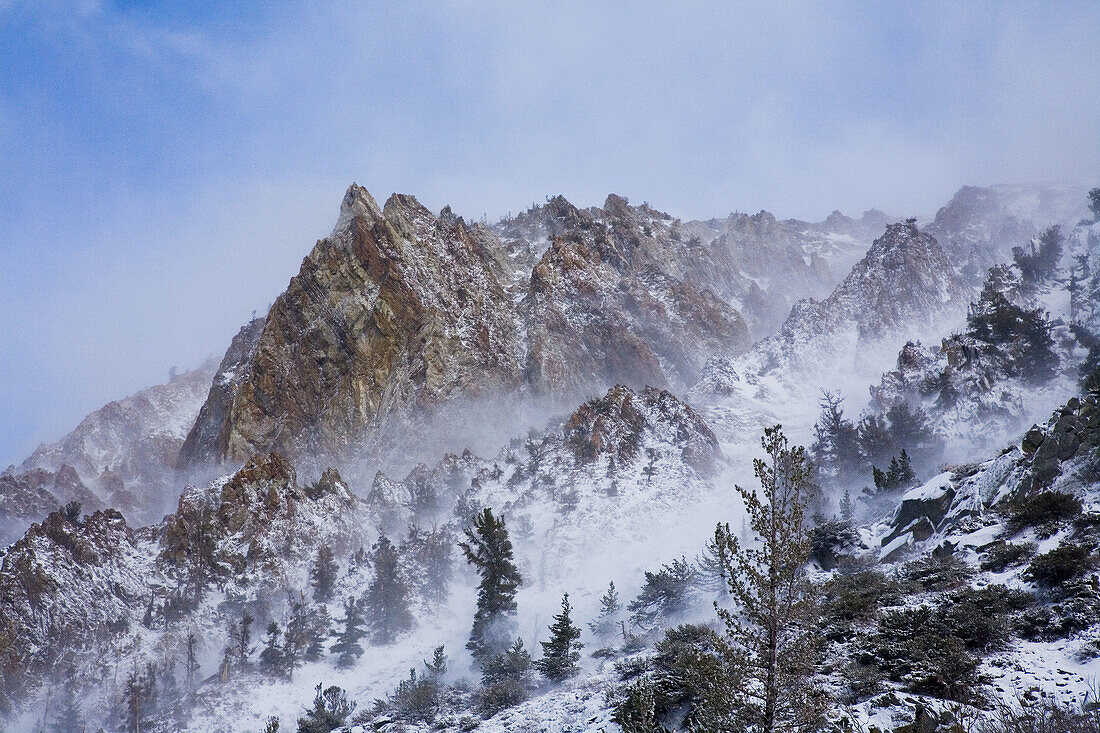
[
  {"x": 400, "y": 312},
  {"x": 979, "y": 226},
  {"x": 397, "y": 311}
]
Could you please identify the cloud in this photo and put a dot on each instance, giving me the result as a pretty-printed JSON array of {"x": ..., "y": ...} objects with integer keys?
[{"x": 172, "y": 165}]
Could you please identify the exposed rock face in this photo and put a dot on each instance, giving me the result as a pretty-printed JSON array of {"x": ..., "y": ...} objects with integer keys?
[
  {"x": 261, "y": 518},
  {"x": 77, "y": 584},
  {"x": 982, "y": 385},
  {"x": 574, "y": 489},
  {"x": 902, "y": 284},
  {"x": 605, "y": 304},
  {"x": 211, "y": 426},
  {"x": 396, "y": 311},
  {"x": 904, "y": 276},
  {"x": 33, "y": 494},
  {"x": 399, "y": 313}
]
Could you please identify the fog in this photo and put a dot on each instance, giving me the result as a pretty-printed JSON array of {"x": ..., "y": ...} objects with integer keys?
[{"x": 165, "y": 171}]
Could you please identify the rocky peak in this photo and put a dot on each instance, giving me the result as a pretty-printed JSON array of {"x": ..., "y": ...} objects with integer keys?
[
  {"x": 607, "y": 303},
  {"x": 357, "y": 203},
  {"x": 979, "y": 226},
  {"x": 395, "y": 312},
  {"x": 904, "y": 276},
  {"x": 64, "y": 579}
]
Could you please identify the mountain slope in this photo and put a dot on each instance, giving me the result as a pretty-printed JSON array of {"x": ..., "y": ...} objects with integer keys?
[{"x": 122, "y": 455}]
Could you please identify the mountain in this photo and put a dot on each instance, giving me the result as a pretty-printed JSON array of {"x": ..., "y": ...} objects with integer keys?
[
  {"x": 979, "y": 226},
  {"x": 606, "y": 303},
  {"x": 396, "y": 311},
  {"x": 122, "y": 455},
  {"x": 400, "y": 313},
  {"x": 576, "y": 490},
  {"x": 1016, "y": 358},
  {"x": 589, "y": 375},
  {"x": 903, "y": 286}
]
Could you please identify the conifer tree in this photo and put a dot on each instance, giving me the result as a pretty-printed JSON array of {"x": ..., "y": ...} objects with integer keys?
[
  {"x": 561, "y": 654},
  {"x": 428, "y": 559},
  {"x": 900, "y": 473},
  {"x": 438, "y": 666},
  {"x": 240, "y": 641},
  {"x": 712, "y": 566},
  {"x": 135, "y": 698},
  {"x": 347, "y": 647},
  {"x": 665, "y": 594},
  {"x": 387, "y": 597},
  {"x": 331, "y": 709},
  {"x": 320, "y": 627},
  {"x": 273, "y": 656},
  {"x": 836, "y": 441},
  {"x": 488, "y": 549},
  {"x": 606, "y": 624},
  {"x": 296, "y": 637},
  {"x": 69, "y": 718},
  {"x": 775, "y": 626},
  {"x": 505, "y": 679},
  {"x": 191, "y": 659},
  {"x": 847, "y": 508},
  {"x": 322, "y": 574}
]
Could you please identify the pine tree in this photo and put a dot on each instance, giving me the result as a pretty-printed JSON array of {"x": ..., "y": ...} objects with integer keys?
[
  {"x": 191, "y": 660},
  {"x": 775, "y": 627},
  {"x": 561, "y": 654},
  {"x": 428, "y": 559},
  {"x": 1094, "y": 203},
  {"x": 488, "y": 548},
  {"x": 69, "y": 718},
  {"x": 876, "y": 442},
  {"x": 323, "y": 574},
  {"x": 650, "y": 469},
  {"x": 297, "y": 635},
  {"x": 712, "y": 567},
  {"x": 135, "y": 698},
  {"x": 607, "y": 622},
  {"x": 847, "y": 508},
  {"x": 836, "y": 442},
  {"x": 273, "y": 656},
  {"x": 505, "y": 679},
  {"x": 387, "y": 597},
  {"x": 665, "y": 594},
  {"x": 438, "y": 666},
  {"x": 901, "y": 475},
  {"x": 320, "y": 627},
  {"x": 272, "y": 725},
  {"x": 240, "y": 635},
  {"x": 331, "y": 709},
  {"x": 347, "y": 648}
]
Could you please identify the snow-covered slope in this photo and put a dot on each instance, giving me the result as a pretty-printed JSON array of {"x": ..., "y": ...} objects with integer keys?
[{"x": 122, "y": 456}]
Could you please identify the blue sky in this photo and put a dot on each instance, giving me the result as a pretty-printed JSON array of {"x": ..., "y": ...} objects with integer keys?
[{"x": 163, "y": 171}]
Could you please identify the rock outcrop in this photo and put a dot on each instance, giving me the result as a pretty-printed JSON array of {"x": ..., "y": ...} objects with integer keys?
[
  {"x": 395, "y": 312},
  {"x": 400, "y": 313},
  {"x": 902, "y": 285}
]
